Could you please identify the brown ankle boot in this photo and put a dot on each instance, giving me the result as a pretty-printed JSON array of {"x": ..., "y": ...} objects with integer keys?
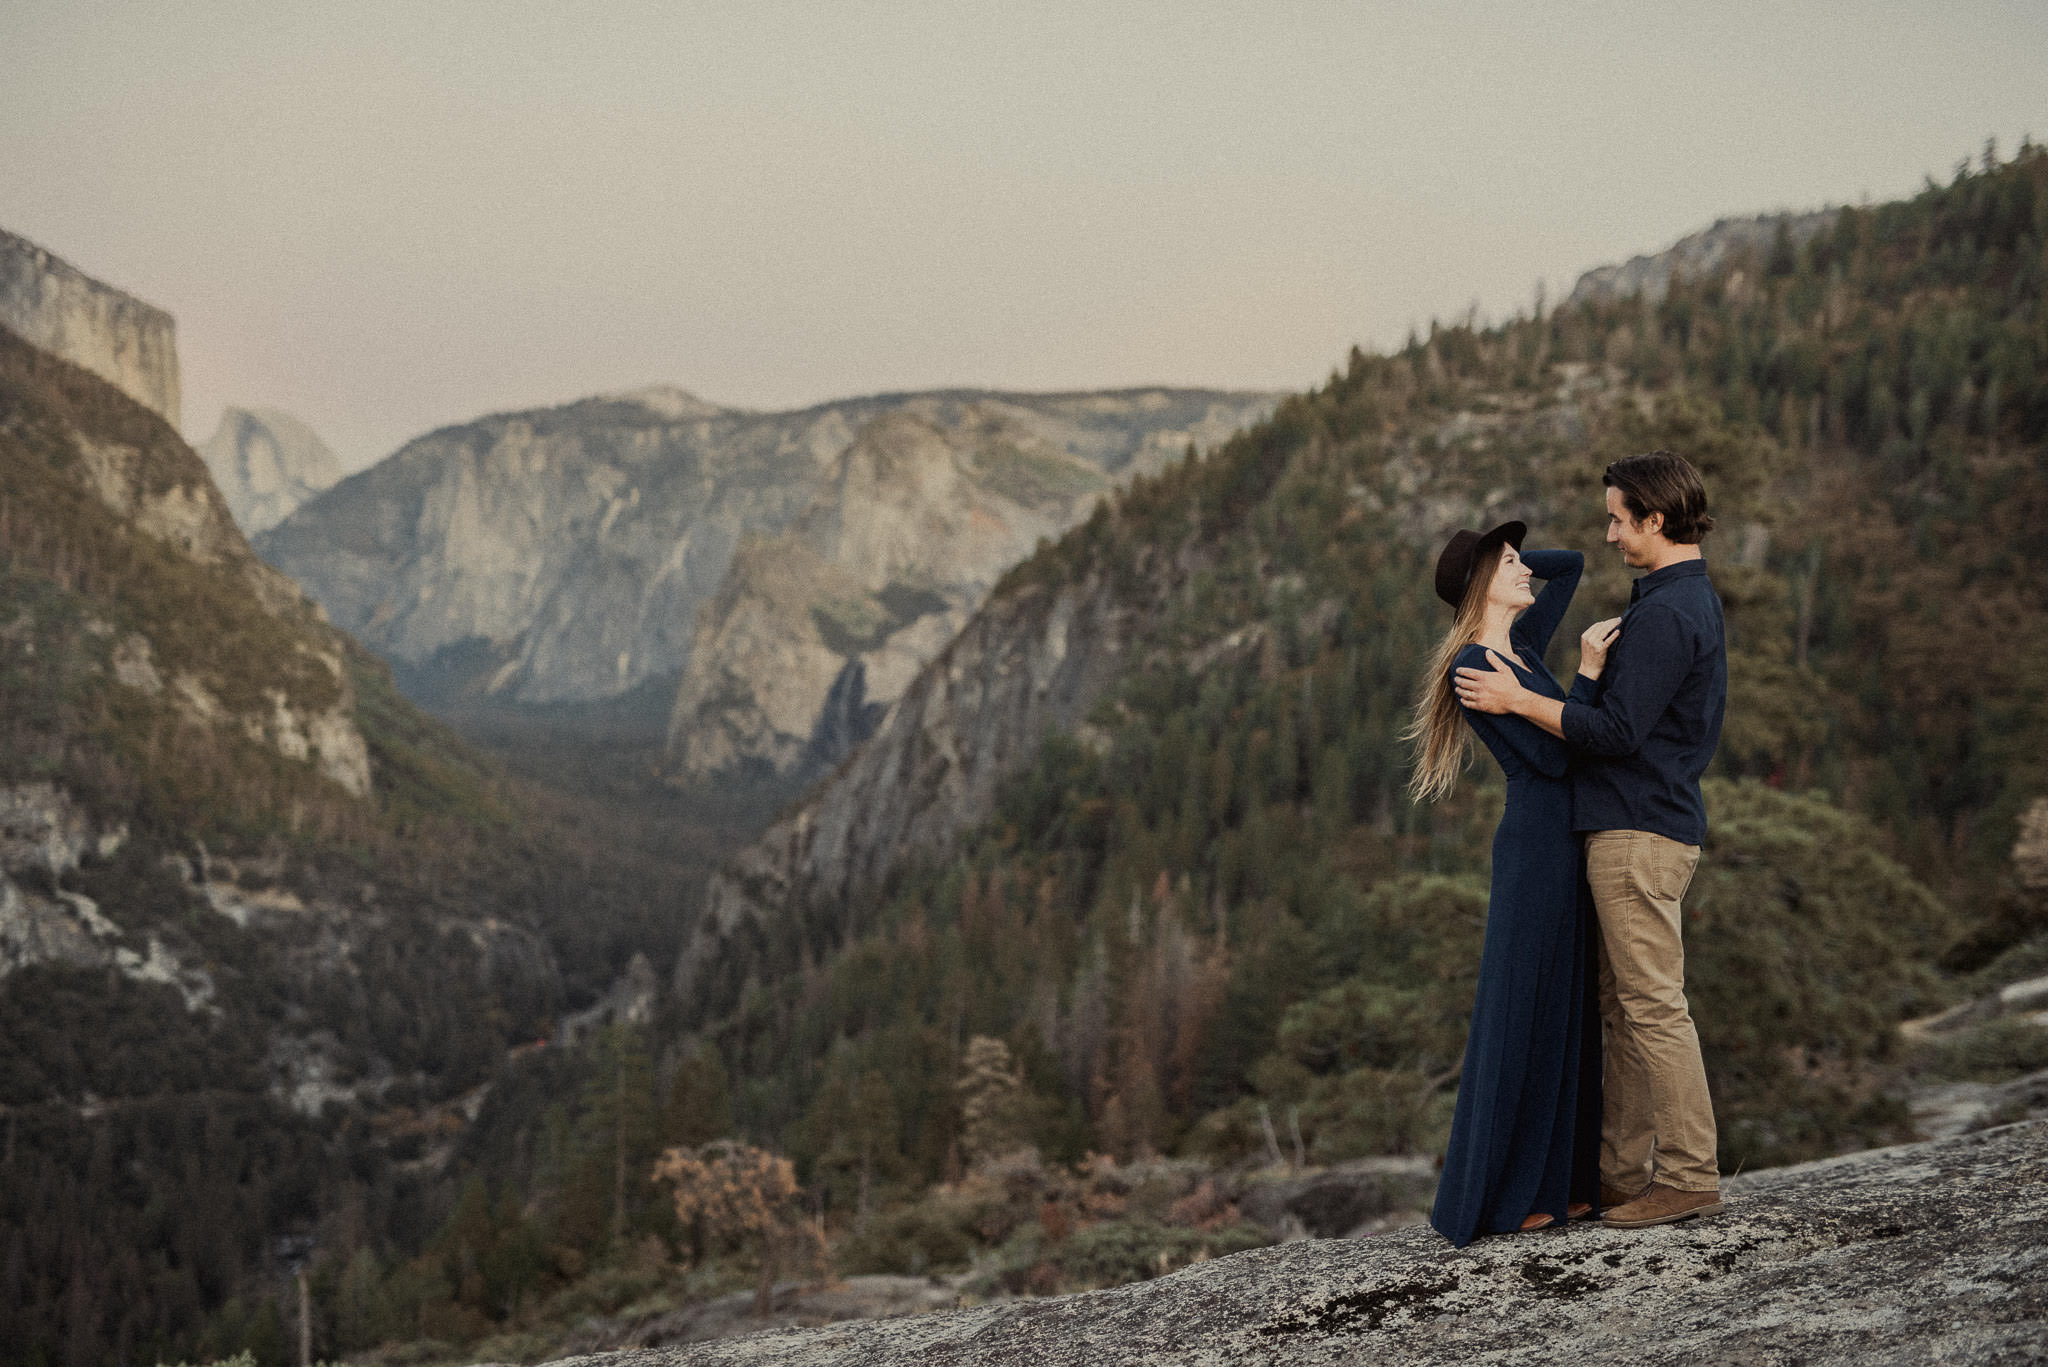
[
  {"x": 1610, "y": 1197},
  {"x": 1660, "y": 1205}
]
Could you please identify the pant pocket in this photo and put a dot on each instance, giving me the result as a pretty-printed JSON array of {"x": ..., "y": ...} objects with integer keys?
[{"x": 1667, "y": 868}]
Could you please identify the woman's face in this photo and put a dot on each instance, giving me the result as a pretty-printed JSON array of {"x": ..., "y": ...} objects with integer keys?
[{"x": 1510, "y": 586}]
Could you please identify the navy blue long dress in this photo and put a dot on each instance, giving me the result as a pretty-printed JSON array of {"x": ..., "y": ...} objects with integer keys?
[{"x": 1526, "y": 1135}]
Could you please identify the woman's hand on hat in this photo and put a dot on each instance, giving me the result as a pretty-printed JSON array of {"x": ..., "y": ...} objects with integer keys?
[{"x": 1489, "y": 690}]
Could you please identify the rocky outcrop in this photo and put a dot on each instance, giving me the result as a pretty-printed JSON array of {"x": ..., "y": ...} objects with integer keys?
[
  {"x": 44, "y": 834},
  {"x": 55, "y": 307},
  {"x": 1929, "y": 1252},
  {"x": 266, "y": 463},
  {"x": 299, "y": 701},
  {"x": 566, "y": 554},
  {"x": 1699, "y": 254},
  {"x": 629, "y": 1002}
]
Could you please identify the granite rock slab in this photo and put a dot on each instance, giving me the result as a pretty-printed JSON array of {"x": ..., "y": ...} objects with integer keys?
[{"x": 1933, "y": 1252}]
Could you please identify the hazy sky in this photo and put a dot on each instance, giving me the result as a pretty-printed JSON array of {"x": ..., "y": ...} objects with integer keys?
[{"x": 389, "y": 217}]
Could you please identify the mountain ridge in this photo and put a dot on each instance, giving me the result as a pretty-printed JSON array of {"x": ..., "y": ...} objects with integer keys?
[{"x": 563, "y": 555}]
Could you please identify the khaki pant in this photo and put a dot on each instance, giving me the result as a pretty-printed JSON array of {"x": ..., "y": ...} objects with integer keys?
[{"x": 1658, "y": 1122}]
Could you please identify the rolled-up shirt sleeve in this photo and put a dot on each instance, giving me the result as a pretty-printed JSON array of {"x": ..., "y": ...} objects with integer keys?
[{"x": 1655, "y": 654}]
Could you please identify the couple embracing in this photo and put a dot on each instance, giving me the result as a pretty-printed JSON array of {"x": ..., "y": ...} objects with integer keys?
[{"x": 1582, "y": 1092}]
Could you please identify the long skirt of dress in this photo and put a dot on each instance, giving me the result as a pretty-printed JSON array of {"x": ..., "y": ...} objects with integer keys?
[{"x": 1526, "y": 1134}]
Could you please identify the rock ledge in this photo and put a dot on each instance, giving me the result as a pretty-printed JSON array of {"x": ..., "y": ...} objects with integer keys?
[{"x": 1922, "y": 1253}]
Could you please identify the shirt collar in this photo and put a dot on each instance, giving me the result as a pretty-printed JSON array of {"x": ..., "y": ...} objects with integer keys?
[{"x": 1657, "y": 579}]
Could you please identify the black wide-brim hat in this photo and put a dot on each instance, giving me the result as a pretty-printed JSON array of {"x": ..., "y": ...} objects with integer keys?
[{"x": 1454, "y": 566}]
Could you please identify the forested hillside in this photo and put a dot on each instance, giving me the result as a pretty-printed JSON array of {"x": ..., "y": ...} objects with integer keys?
[
  {"x": 1206, "y": 921},
  {"x": 266, "y": 931},
  {"x": 1216, "y": 895}
]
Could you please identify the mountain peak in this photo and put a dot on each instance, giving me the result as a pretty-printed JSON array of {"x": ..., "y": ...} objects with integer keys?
[
  {"x": 669, "y": 401},
  {"x": 267, "y": 463}
]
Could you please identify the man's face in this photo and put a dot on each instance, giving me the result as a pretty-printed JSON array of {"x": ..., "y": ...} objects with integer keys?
[{"x": 1636, "y": 540}]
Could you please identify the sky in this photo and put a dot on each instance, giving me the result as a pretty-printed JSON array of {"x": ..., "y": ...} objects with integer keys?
[{"x": 386, "y": 218}]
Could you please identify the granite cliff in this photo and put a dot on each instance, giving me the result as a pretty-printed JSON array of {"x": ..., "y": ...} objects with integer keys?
[
  {"x": 60, "y": 309},
  {"x": 1932, "y": 1252},
  {"x": 818, "y": 629},
  {"x": 565, "y": 555},
  {"x": 266, "y": 463}
]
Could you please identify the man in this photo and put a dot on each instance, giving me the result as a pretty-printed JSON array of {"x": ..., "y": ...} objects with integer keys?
[{"x": 1641, "y": 738}]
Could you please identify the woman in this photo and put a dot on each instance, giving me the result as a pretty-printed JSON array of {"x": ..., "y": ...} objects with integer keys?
[{"x": 1525, "y": 1140}]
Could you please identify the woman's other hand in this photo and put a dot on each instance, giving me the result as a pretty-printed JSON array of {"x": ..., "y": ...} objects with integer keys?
[{"x": 1594, "y": 643}]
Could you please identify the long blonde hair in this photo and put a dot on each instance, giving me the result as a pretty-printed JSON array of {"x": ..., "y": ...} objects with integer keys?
[{"x": 1442, "y": 740}]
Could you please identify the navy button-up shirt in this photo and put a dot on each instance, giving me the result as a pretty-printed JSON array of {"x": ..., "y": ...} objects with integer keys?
[{"x": 1644, "y": 734}]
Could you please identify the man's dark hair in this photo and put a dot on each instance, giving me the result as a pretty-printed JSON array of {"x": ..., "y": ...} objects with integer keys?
[{"x": 1663, "y": 482}]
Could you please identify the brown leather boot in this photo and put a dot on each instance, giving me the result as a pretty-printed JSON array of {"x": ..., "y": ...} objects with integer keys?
[
  {"x": 1610, "y": 1197},
  {"x": 1660, "y": 1205}
]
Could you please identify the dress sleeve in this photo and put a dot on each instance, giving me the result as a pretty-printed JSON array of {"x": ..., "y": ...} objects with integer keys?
[
  {"x": 1559, "y": 571},
  {"x": 1528, "y": 742}
]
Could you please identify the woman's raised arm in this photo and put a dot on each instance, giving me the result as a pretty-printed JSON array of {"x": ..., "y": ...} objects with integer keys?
[{"x": 1560, "y": 572}]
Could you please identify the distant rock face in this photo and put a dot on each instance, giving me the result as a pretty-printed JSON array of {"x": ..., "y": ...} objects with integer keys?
[
  {"x": 1926, "y": 1253},
  {"x": 1696, "y": 255},
  {"x": 817, "y": 630},
  {"x": 565, "y": 554},
  {"x": 1027, "y": 662},
  {"x": 266, "y": 463},
  {"x": 55, "y": 307}
]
